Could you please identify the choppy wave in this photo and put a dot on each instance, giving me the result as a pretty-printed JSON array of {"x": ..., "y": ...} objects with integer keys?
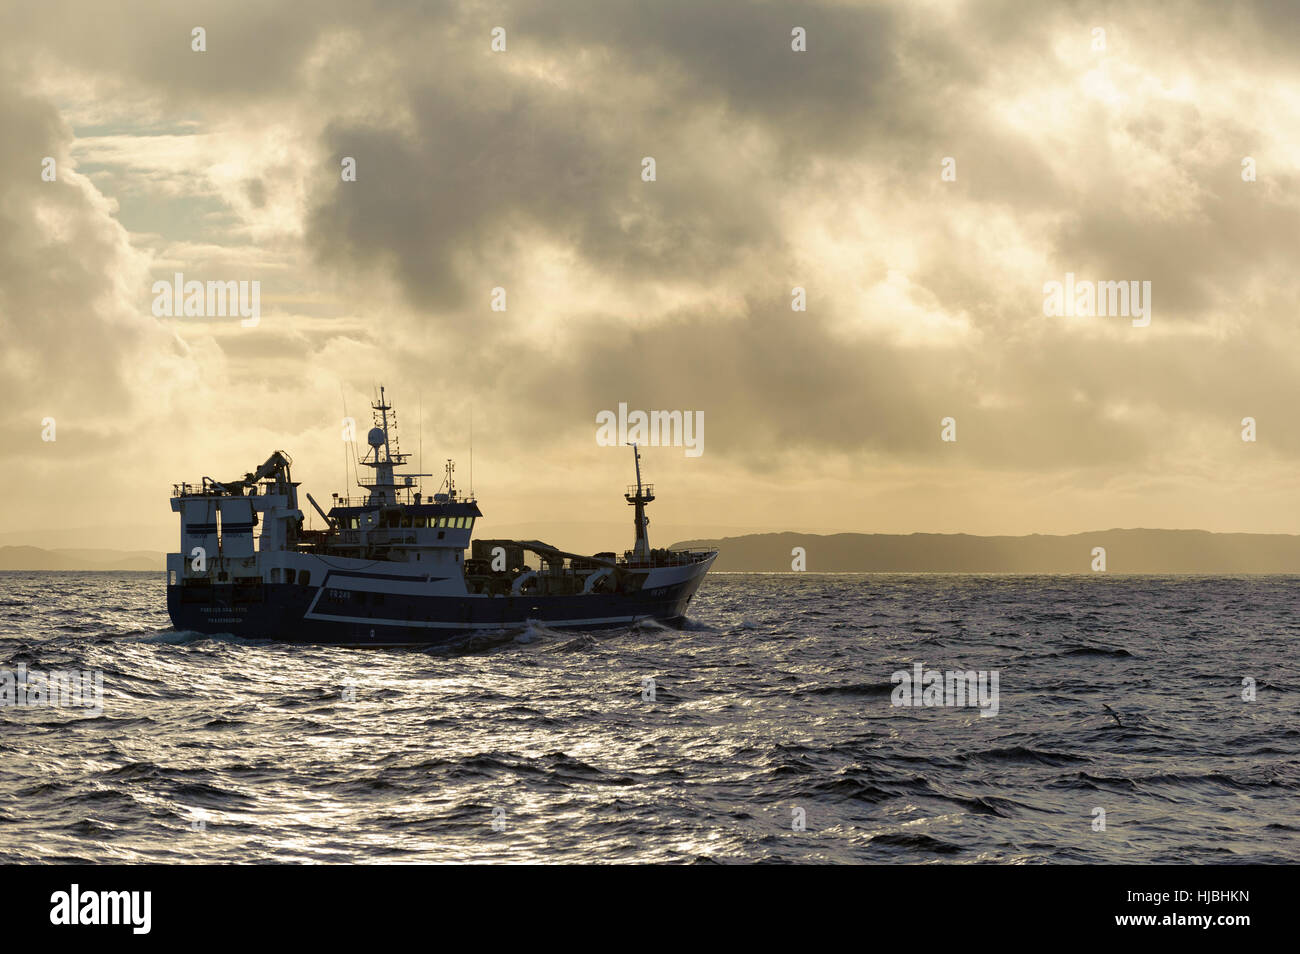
[{"x": 762, "y": 729}]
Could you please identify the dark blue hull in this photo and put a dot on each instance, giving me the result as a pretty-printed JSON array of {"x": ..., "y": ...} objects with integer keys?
[{"x": 297, "y": 614}]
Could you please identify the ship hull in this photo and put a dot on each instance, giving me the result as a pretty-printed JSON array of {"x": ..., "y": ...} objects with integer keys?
[{"x": 315, "y": 614}]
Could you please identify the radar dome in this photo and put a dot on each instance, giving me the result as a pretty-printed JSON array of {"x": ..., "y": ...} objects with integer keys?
[{"x": 376, "y": 437}]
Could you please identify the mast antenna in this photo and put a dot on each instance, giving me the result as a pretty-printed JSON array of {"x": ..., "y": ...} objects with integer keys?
[{"x": 348, "y": 450}]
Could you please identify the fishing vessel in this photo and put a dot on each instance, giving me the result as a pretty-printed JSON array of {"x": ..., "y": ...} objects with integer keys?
[{"x": 390, "y": 566}]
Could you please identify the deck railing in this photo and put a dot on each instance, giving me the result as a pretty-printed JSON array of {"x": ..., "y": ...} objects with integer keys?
[{"x": 405, "y": 498}]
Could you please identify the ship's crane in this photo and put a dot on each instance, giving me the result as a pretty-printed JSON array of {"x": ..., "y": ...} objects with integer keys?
[{"x": 277, "y": 466}]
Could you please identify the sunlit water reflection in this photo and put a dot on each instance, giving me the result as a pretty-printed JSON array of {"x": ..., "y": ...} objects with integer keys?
[{"x": 775, "y": 700}]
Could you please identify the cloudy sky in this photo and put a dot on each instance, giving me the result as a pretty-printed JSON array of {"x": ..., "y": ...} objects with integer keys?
[{"x": 1114, "y": 155}]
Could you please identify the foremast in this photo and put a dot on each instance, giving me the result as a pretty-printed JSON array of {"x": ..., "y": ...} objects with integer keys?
[{"x": 638, "y": 496}]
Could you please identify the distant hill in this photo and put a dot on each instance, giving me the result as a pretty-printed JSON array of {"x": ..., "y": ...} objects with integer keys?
[
  {"x": 34, "y": 558},
  {"x": 1127, "y": 551}
]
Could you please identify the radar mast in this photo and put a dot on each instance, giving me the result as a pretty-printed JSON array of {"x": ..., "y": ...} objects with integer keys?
[{"x": 638, "y": 497}]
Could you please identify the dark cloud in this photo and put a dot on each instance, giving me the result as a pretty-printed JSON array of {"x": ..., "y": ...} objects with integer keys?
[
  {"x": 774, "y": 168},
  {"x": 470, "y": 179},
  {"x": 737, "y": 55}
]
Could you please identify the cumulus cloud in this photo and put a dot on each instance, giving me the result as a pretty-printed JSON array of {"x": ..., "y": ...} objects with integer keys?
[{"x": 775, "y": 169}]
